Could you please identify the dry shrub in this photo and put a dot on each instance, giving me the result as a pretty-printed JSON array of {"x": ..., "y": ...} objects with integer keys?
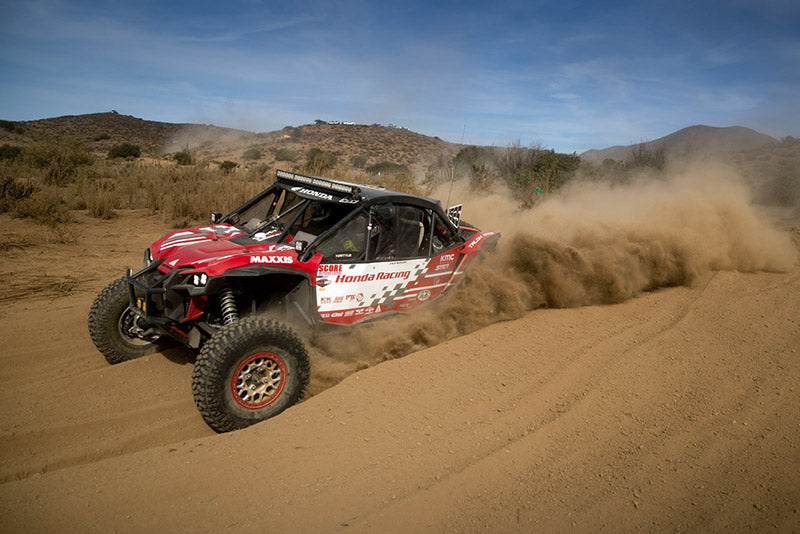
[
  {"x": 252, "y": 154},
  {"x": 286, "y": 154},
  {"x": 186, "y": 195},
  {"x": 45, "y": 206},
  {"x": 101, "y": 205},
  {"x": 59, "y": 160},
  {"x": 13, "y": 191},
  {"x": 11, "y": 241},
  {"x": 401, "y": 182}
]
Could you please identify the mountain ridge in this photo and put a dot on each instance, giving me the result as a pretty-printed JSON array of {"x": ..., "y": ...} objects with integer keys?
[
  {"x": 370, "y": 143},
  {"x": 692, "y": 139}
]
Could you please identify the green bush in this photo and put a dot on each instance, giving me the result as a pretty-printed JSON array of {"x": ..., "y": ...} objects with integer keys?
[
  {"x": 528, "y": 172},
  {"x": 472, "y": 155},
  {"x": 10, "y": 152},
  {"x": 124, "y": 150},
  {"x": 293, "y": 132},
  {"x": 227, "y": 166},
  {"x": 548, "y": 171},
  {"x": 252, "y": 154},
  {"x": 286, "y": 154},
  {"x": 358, "y": 162},
  {"x": 183, "y": 157},
  {"x": 319, "y": 161},
  {"x": 11, "y": 126}
]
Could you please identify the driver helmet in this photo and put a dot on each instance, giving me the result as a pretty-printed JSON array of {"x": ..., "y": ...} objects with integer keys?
[
  {"x": 319, "y": 212},
  {"x": 385, "y": 214}
]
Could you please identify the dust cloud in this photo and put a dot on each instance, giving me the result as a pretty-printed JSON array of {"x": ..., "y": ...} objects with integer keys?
[{"x": 591, "y": 243}]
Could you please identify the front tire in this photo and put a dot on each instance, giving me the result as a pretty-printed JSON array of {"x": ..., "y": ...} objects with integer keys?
[
  {"x": 247, "y": 372},
  {"x": 109, "y": 319}
]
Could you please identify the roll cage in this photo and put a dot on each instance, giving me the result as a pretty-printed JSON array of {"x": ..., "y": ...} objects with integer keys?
[{"x": 309, "y": 211}]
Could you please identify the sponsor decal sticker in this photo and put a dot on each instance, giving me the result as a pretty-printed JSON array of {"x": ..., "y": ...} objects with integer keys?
[
  {"x": 312, "y": 193},
  {"x": 454, "y": 214},
  {"x": 475, "y": 242},
  {"x": 271, "y": 259},
  {"x": 424, "y": 295},
  {"x": 369, "y": 277}
]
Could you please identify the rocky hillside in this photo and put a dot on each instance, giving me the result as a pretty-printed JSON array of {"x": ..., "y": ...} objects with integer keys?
[{"x": 364, "y": 144}]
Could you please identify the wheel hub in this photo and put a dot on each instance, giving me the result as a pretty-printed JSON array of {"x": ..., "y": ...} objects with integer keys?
[
  {"x": 258, "y": 380},
  {"x": 131, "y": 331}
]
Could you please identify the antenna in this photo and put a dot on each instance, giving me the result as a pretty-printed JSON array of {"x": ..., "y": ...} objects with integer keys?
[{"x": 453, "y": 169}]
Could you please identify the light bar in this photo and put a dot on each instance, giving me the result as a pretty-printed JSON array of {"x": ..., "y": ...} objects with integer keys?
[{"x": 322, "y": 183}]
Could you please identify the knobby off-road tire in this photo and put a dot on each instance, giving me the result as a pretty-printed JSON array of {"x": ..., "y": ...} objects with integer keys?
[
  {"x": 247, "y": 372},
  {"x": 108, "y": 314}
]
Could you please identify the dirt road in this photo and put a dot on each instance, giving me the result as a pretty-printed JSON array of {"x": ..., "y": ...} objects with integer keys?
[{"x": 674, "y": 410}]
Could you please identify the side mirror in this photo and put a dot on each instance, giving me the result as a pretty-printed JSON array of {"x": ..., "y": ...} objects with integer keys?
[{"x": 216, "y": 217}]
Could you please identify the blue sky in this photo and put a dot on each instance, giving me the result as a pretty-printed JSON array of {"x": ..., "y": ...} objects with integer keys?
[{"x": 565, "y": 75}]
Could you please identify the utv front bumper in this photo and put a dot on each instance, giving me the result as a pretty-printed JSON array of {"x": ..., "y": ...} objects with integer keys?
[{"x": 161, "y": 299}]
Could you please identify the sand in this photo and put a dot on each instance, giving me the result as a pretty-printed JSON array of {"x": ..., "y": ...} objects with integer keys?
[{"x": 672, "y": 406}]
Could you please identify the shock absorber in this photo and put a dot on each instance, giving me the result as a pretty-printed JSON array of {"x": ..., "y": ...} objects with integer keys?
[{"x": 227, "y": 305}]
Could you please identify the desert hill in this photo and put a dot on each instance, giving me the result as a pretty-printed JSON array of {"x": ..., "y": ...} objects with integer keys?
[
  {"x": 694, "y": 139},
  {"x": 354, "y": 144},
  {"x": 101, "y": 131},
  {"x": 374, "y": 142},
  {"x": 369, "y": 144}
]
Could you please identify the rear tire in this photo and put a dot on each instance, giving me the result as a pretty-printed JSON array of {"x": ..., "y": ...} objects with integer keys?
[
  {"x": 109, "y": 314},
  {"x": 247, "y": 372}
]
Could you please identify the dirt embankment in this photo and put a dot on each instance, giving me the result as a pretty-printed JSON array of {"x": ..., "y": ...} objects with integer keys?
[{"x": 618, "y": 407}]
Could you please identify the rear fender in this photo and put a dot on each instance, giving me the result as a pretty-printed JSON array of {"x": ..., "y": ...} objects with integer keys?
[{"x": 480, "y": 241}]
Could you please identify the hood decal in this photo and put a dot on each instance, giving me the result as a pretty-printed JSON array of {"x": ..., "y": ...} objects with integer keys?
[{"x": 204, "y": 233}]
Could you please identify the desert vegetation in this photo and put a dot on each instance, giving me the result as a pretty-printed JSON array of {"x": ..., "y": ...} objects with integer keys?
[
  {"x": 47, "y": 177},
  {"x": 11, "y": 126},
  {"x": 125, "y": 150},
  {"x": 45, "y": 181},
  {"x": 528, "y": 173}
]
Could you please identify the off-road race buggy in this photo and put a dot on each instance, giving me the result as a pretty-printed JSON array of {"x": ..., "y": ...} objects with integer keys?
[{"x": 307, "y": 251}]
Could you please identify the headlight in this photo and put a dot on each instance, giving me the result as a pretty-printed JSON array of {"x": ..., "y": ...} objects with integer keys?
[
  {"x": 200, "y": 279},
  {"x": 148, "y": 258}
]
